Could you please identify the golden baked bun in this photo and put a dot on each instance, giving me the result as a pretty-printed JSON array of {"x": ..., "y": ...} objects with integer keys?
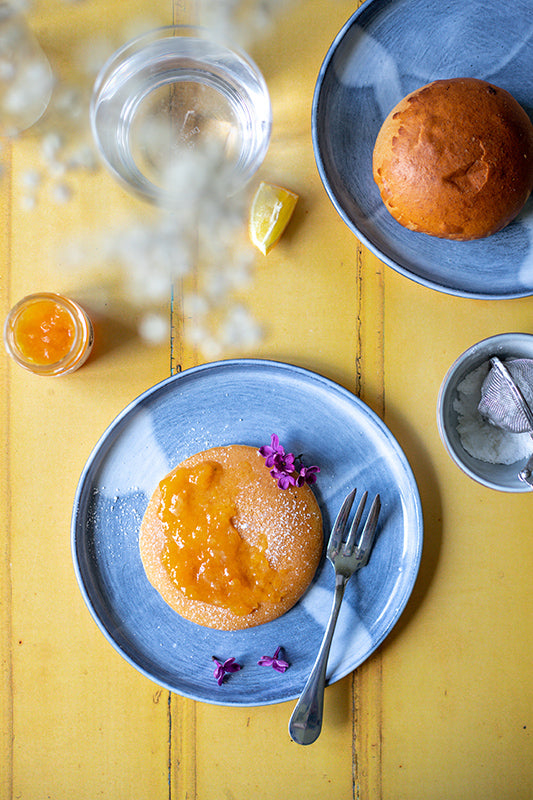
[
  {"x": 224, "y": 545},
  {"x": 454, "y": 159}
]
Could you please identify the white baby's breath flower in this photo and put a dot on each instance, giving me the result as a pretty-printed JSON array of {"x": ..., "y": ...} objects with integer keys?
[
  {"x": 154, "y": 328},
  {"x": 69, "y": 102},
  {"x": 241, "y": 22},
  {"x": 26, "y": 94},
  {"x": 57, "y": 169},
  {"x": 93, "y": 53},
  {"x": 19, "y": 6},
  {"x": 31, "y": 179},
  {"x": 153, "y": 287},
  {"x": 216, "y": 285},
  {"x": 51, "y": 144},
  {"x": 195, "y": 242},
  {"x": 28, "y": 202},
  {"x": 7, "y": 70},
  {"x": 196, "y": 333},
  {"x": 61, "y": 193},
  {"x": 240, "y": 329},
  {"x": 201, "y": 336},
  {"x": 211, "y": 347},
  {"x": 83, "y": 157},
  {"x": 194, "y": 305}
]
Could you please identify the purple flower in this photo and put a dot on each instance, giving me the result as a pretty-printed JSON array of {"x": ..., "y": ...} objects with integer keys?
[
  {"x": 283, "y": 478},
  {"x": 273, "y": 451},
  {"x": 307, "y": 475},
  {"x": 274, "y": 661},
  {"x": 283, "y": 466},
  {"x": 228, "y": 666},
  {"x": 275, "y": 456},
  {"x": 285, "y": 463}
]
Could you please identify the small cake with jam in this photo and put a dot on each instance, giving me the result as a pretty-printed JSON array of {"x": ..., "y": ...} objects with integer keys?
[{"x": 224, "y": 545}]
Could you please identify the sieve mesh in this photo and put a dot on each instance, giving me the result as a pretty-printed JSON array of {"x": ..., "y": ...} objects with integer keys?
[{"x": 507, "y": 395}]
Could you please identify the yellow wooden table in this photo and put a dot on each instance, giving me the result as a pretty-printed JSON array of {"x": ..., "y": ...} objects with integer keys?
[{"x": 443, "y": 709}]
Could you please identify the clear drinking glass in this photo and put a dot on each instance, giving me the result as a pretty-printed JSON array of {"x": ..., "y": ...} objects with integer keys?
[
  {"x": 175, "y": 90},
  {"x": 26, "y": 79}
]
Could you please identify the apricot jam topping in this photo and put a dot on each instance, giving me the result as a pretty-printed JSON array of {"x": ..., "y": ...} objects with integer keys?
[
  {"x": 204, "y": 554},
  {"x": 45, "y": 332},
  {"x": 48, "y": 334}
]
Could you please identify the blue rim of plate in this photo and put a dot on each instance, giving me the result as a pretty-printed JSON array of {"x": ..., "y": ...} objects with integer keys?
[
  {"x": 243, "y": 401},
  {"x": 385, "y": 50}
]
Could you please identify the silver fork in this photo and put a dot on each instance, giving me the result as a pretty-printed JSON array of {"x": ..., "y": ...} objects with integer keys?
[{"x": 347, "y": 557}]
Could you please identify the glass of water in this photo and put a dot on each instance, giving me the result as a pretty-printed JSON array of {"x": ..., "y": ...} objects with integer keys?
[
  {"x": 176, "y": 91},
  {"x": 26, "y": 79}
]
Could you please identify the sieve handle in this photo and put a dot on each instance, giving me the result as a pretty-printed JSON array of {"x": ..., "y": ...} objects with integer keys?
[{"x": 526, "y": 474}]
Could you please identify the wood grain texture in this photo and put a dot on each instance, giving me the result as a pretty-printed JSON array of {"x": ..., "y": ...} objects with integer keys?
[{"x": 442, "y": 710}]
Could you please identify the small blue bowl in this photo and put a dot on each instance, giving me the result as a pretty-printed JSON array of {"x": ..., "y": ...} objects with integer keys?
[{"x": 502, "y": 477}]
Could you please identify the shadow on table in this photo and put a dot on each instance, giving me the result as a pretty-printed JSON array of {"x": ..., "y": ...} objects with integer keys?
[{"x": 115, "y": 323}]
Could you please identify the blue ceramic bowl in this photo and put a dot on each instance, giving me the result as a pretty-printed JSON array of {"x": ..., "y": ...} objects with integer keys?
[
  {"x": 387, "y": 49},
  {"x": 503, "y": 477}
]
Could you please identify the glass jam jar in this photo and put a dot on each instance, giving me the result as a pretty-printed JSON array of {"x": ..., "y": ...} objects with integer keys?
[{"x": 48, "y": 334}]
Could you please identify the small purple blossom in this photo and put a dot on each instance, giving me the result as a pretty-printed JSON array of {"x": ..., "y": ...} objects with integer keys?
[
  {"x": 272, "y": 451},
  {"x": 285, "y": 463},
  {"x": 284, "y": 479},
  {"x": 274, "y": 661},
  {"x": 276, "y": 457},
  {"x": 285, "y": 467},
  {"x": 307, "y": 475},
  {"x": 228, "y": 666}
]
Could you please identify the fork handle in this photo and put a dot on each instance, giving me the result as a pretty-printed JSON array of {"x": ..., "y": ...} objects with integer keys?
[{"x": 305, "y": 723}]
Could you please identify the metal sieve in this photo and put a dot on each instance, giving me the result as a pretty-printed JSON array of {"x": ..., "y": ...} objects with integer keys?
[{"x": 507, "y": 400}]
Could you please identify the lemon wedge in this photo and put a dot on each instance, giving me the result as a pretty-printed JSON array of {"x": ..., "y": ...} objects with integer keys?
[{"x": 270, "y": 213}]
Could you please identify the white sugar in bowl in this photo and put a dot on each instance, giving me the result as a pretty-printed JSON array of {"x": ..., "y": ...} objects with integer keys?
[{"x": 487, "y": 454}]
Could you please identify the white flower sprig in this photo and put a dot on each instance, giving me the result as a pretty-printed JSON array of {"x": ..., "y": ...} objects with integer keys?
[{"x": 197, "y": 243}]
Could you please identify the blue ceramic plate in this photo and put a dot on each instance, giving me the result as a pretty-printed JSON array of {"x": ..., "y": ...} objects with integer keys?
[
  {"x": 243, "y": 401},
  {"x": 387, "y": 49}
]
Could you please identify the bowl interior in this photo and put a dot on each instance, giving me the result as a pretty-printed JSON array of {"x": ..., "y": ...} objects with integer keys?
[
  {"x": 503, "y": 477},
  {"x": 387, "y": 49}
]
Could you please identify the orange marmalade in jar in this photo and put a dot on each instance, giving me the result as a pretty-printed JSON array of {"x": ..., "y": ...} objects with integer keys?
[{"x": 48, "y": 334}]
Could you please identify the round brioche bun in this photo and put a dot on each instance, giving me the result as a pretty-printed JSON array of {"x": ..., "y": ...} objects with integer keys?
[
  {"x": 454, "y": 159},
  {"x": 290, "y": 519}
]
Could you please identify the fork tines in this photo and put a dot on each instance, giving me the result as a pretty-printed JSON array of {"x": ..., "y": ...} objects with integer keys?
[{"x": 366, "y": 540}]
